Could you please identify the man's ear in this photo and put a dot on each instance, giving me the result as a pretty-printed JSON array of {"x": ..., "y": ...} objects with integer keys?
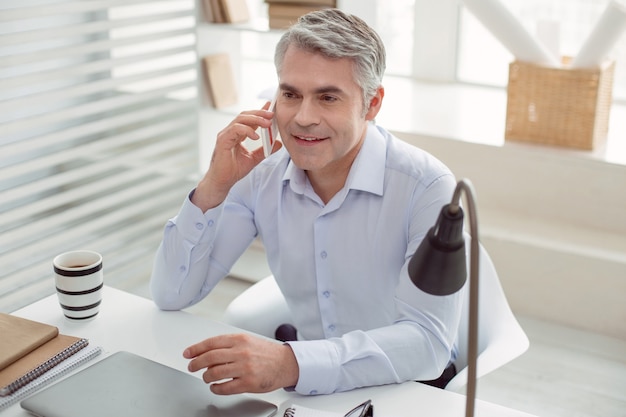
[{"x": 375, "y": 104}]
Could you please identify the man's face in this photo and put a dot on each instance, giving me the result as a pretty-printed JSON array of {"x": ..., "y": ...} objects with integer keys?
[{"x": 319, "y": 112}]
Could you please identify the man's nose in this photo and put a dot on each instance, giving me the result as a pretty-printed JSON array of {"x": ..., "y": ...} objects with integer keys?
[{"x": 308, "y": 113}]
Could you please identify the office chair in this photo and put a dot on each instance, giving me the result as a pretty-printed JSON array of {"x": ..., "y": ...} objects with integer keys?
[
  {"x": 262, "y": 308},
  {"x": 500, "y": 336}
]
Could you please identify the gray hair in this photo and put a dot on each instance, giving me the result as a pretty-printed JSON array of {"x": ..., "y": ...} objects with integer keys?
[{"x": 336, "y": 34}]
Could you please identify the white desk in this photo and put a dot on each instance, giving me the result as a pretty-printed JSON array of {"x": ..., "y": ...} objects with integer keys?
[{"x": 132, "y": 323}]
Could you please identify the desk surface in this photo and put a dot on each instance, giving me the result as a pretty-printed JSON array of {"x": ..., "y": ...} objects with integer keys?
[{"x": 132, "y": 323}]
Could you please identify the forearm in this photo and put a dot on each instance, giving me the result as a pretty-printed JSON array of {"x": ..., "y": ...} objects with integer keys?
[
  {"x": 207, "y": 196},
  {"x": 358, "y": 360},
  {"x": 418, "y": 346},
  {"x": 174, "y": 284},
  {"x": 182, "y": 264}
]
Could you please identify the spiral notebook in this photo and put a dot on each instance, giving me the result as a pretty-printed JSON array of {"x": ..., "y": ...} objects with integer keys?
[
  {"x": 38, "y": 362},
  {"x": 51, "y": 376}
]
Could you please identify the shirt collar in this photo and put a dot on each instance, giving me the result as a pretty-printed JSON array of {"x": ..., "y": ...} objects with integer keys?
[
  {"x": 366, "y": 174},
  {"x": 368, "y": 170}
]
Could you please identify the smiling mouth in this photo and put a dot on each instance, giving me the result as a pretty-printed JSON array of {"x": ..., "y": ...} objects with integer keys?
[{"x": 308, "y": 138}]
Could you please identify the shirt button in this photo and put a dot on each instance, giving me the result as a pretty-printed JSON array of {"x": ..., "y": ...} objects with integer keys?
[
  {"x": 332, "y": 327},
  {"x": 313, "y": 392},
  {"x": 323, "y": 254},
  {"x": 326, "y": 294},
  {"x": 182, "y": 268},
  {"x": 199, "y": 226},
  {"x": 211, "y": 223}
]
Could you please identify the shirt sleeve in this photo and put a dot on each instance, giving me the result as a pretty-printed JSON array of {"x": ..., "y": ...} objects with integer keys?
[
  {"x": 416, "y": 348},
  {"x": 181, "y": 265},
  {"x": 199, "y": 249}
]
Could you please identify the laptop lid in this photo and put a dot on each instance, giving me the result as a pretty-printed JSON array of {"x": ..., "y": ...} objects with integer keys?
[{"x": 126, "y": 385}]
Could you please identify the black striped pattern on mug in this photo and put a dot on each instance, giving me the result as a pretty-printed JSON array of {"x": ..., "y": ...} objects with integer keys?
[
  {"x": 77, "y": 273},
  {"x": 84, "y": 292},
  {"x": 81, "y": 308},
  {"x": 69, "y": 311}
]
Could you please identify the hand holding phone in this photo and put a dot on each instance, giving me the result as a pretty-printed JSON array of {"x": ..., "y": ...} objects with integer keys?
[{"x": 268, "y": 136}]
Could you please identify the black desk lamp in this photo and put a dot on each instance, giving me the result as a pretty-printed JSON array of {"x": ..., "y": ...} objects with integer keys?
[{"x": 438, "y": 267}]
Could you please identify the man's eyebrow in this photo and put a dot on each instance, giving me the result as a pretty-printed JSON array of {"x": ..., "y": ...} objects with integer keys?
[{"x": 320, "y": 90}]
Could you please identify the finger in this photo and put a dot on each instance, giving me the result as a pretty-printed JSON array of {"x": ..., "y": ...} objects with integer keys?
[
  {"x": 214, "y": 359},
  {"x": 267, "y": 105},
  {"x": 233, "y": 386},
  {"x": 212, "y": 343},
  {"x": 239, "y": 385},
  {"x": 236, "y": 133},
  {"x": 254, "y": 118},
  {"x": 220, "y": 373}
]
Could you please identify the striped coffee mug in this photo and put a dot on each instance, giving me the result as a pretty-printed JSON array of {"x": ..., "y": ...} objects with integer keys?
[{"x": 79, "y": 279}]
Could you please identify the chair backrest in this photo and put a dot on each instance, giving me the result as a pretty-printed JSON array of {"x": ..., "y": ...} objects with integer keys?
[
  {"x": 500, "y": 336},
  {"x": 260, "y": 309}
]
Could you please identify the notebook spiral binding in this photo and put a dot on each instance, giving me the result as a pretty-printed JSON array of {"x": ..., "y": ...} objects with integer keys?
[
  {"x": 49, "y": 377},
  {"x": 290, "y": 412},
  {"x": 45, "y": 367}
]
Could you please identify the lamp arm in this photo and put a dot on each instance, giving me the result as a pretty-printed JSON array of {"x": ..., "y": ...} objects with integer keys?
[
  {"x": 439, "y": 267},
  {"x": 472, "y": 344}
]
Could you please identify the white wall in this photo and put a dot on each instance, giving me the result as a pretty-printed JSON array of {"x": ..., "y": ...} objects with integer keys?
[{"x": 554, "y": 223}]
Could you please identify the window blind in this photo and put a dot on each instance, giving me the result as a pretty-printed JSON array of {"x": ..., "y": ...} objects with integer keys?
[{"x": 98, "y": 135}]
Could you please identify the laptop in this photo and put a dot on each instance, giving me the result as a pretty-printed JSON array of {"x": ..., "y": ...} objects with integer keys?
[{"x": 126, "y": 385}]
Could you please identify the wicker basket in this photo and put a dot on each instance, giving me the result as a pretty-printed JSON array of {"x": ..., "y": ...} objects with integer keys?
[{"x": 559, "y": 106}]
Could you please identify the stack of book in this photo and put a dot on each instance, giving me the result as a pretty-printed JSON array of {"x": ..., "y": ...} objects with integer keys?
[
  {"x": 32, "y": 354},
  {"x": 226, "y": 11},
  {"x": 284, "y": 13}
]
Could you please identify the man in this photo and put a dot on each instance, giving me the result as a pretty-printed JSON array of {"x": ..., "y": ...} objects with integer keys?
[{"x": 340, "y": 210}]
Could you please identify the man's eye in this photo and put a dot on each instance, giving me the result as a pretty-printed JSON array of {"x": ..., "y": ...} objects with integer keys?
[{"x": 329, "y": 99}]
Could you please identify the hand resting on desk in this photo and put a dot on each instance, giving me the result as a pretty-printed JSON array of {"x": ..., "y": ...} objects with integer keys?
[{"x": 246, "y": 362}]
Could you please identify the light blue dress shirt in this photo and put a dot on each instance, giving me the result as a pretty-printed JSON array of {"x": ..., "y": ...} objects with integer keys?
[{"x": 342, "y": 266}]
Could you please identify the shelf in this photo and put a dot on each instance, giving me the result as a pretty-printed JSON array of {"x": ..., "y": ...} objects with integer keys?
[{"x": 461, "y": 112}]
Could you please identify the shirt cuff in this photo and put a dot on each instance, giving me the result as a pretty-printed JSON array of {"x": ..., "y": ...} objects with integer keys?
[
  {"x": 318, "y": 363},
  {"x": 193, "y": 225}
]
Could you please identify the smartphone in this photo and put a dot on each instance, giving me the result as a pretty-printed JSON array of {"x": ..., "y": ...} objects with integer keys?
[{"x": 269, "y": 136}]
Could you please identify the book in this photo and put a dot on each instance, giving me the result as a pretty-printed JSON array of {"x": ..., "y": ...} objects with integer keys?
[
  {"x": 209, "y": 13},
  {"x": 52, "y": 375},
  {"x": 220, "y": 80},
  {"x": 283, "y": 15},
  {"x": 25, "y": 363},
  {"x": 235, "y": 11},
  {"x": 214, "y": 11},
  {"x": 226, "y": 11},
  {"x": 21, "y": 336}
]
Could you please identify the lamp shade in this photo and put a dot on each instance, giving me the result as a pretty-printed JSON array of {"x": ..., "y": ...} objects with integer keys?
[{"x": 438, "y": 266}]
